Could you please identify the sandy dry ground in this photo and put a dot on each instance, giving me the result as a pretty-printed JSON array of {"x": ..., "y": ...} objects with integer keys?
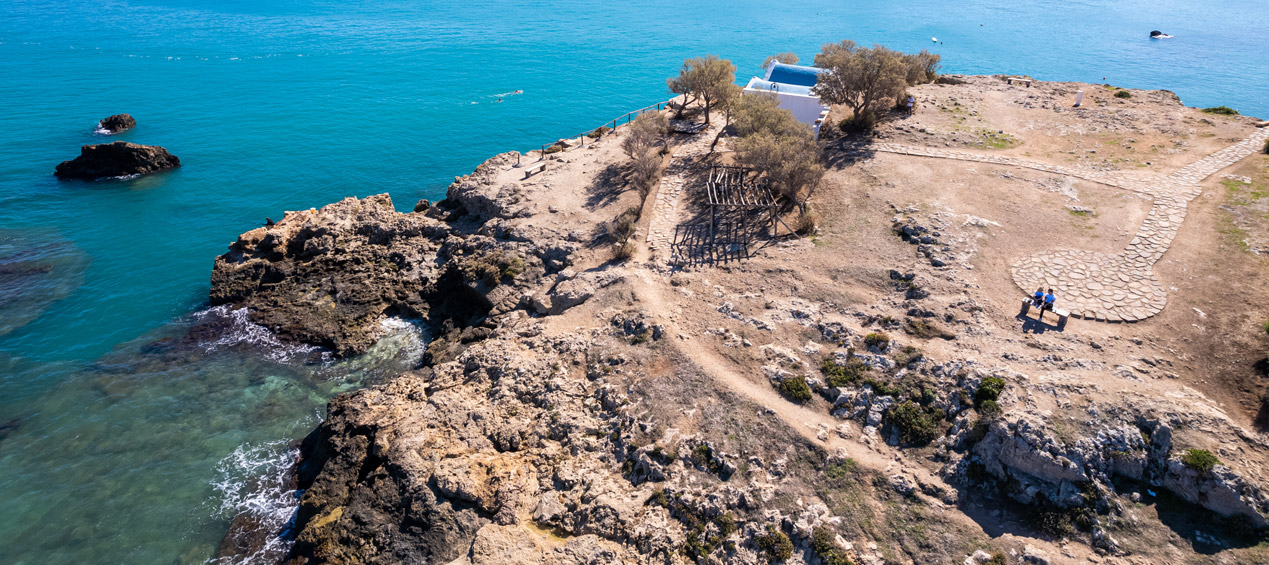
[{"x": 1204, "y": 350}]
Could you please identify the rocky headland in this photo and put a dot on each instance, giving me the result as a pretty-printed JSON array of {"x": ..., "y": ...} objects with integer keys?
[
  {"x": 869, "y": 395},
  {"x": 117, "y": 159}
]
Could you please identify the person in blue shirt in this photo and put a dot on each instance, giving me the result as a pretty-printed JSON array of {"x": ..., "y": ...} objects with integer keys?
[
  {"x": 1049, "y": 299},
  {"x": 1037, "y": 299}
]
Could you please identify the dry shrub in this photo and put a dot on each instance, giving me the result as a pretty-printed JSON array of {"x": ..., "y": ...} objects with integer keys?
[
  {"x": 808, "y": 221},
  {"x": 644, "y": 133},
  {"x": 645, "y": 171},
  {"x": 624, "y": 250}
]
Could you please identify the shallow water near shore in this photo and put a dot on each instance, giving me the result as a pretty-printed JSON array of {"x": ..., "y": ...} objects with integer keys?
[{"x": 123, "y": 441}]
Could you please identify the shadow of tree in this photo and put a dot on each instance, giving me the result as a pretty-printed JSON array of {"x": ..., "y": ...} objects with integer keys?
[
  {"x": 848, "y": 150},
  {"x": 608, "y": 185}
]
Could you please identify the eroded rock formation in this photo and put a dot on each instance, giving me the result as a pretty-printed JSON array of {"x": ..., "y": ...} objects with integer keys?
[{"x": 118, "y": 159}]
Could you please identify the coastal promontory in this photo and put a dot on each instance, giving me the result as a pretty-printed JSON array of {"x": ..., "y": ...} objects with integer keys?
[{"x": 618, "y": 373}]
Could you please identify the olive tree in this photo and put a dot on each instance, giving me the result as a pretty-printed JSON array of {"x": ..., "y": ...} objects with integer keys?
[
  {"x": 761, "y": 113},
  {"x": 923, "y": 67},
  {"x": 707, "y": 78},
  {"x": 859, "y": 77},
  {"x": 791, "y": 163},
  {"x": 786, "y": 58}
]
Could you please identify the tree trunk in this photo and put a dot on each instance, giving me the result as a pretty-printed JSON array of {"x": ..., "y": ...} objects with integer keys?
[{"x": 706, "y": 110}]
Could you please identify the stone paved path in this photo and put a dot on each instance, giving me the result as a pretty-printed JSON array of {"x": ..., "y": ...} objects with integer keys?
[
  {"x": 665, "y": 210},
  {"x": 1119, "y": 287}
]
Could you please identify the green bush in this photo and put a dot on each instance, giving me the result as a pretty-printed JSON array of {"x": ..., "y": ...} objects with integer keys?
[
  {"x": 554, "y": 148},
  {"x": 1200, "y": 459},
  {"x": 989, "y": 389},
  {"x": 1267, "y": 153},
  {"x": 1221, "y": 111},
  {"x": 989, "y": 409},
  {"x": 838, "y": 376},
  {"x": 877, "y": 340},
  {"x": 916, "y": 425},
  {"x": 1123, "y": 94},
  {"x": 863, "y": 123},
  {"x": 775, "y": 544},
  {"x": 598, "y": 132},
  {"x": 795, "y": 389},
  {"x": 824, "y": 542}
]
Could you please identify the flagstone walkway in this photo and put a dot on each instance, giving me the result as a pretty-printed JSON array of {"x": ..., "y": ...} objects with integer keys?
[{"x": 1118, "y": 287}]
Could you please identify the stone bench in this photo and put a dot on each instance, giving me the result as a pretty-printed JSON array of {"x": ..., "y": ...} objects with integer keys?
[
  {"x": 1062, "y": 314},
  {"x": 536, "y": 167},
  {"x": 1011, "y": 80}
]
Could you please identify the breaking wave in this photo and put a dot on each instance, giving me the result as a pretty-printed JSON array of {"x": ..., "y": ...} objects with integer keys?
[
  {"x": 253, "y": 485},
  {"x": 242, "y": 331}
]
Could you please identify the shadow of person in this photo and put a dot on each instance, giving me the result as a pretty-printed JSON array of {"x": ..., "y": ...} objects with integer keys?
[{"x": 1030, "y": 325}]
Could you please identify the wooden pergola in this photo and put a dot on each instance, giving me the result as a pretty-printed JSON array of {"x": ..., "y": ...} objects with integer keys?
[{"x": 735, "y": 188}]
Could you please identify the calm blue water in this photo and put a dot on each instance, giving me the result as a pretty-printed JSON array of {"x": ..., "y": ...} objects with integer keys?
[{"x": 114, "y": 446}]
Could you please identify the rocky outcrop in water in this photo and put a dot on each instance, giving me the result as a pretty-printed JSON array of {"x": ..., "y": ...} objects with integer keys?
[
  {"x": 116, "y": 123},
  {"x": 118, "y": 159}
]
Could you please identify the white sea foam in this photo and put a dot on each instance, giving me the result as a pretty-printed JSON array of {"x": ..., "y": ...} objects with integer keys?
[
  {"x": 243, "y": 331},
  {"x": 407, "y": 336},
  {"x": 255, "y": 480}
]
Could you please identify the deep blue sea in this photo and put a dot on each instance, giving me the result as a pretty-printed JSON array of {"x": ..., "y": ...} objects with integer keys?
[{"x": 124, "y": 437}]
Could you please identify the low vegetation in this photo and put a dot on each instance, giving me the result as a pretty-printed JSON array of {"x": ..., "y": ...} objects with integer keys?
[
  {"x": 795, "y": 389},
  {"x": 1123, "y": 94},
  {"x": 824, "y": 542},
  {"x": 989, "y": 390},
  {"x": 1199, "y": 459},
  {"x": 917, "y": 425},
  {"x": 775, "y": 544},
  {"x": 877, "y": 341},
  {"x": 1221, "y": 111},
  {"x": 493, "y": 268}
]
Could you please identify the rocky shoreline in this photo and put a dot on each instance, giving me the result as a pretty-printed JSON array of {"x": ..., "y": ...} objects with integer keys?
[{"x": 557, "y": 418}]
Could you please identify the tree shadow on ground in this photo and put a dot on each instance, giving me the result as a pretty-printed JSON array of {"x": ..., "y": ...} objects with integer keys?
[
  {"x": 607, "y": 187},
  {"x": 848, "y": 150}
]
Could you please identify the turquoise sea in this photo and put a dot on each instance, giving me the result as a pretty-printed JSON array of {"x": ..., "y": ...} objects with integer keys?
[{"x": 135, "y": 423}]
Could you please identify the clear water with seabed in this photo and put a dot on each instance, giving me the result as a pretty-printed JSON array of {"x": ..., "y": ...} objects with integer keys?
[{"x": 124, "y": 440}]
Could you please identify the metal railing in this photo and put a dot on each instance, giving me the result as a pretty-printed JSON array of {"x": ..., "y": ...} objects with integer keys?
[{"x": 610, "y": 125}]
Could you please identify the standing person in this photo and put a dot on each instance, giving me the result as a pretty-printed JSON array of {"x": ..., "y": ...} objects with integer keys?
[
  {"x": 911, "y": 103},
  {"x": 1049, "y": 299}
]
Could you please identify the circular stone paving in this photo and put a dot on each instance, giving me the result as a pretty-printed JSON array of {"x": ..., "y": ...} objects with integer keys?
[{"x": 1095, "y": 286}]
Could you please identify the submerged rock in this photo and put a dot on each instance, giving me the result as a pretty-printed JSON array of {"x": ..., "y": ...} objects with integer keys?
[
  {"x": 118, "y": 159},
  {"x": 116, "y": 123}
]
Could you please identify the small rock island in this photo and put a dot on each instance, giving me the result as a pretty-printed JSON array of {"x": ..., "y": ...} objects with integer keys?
[
  {"x": 116, "y": 124},
  {"x": 118, "y": 159}
]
